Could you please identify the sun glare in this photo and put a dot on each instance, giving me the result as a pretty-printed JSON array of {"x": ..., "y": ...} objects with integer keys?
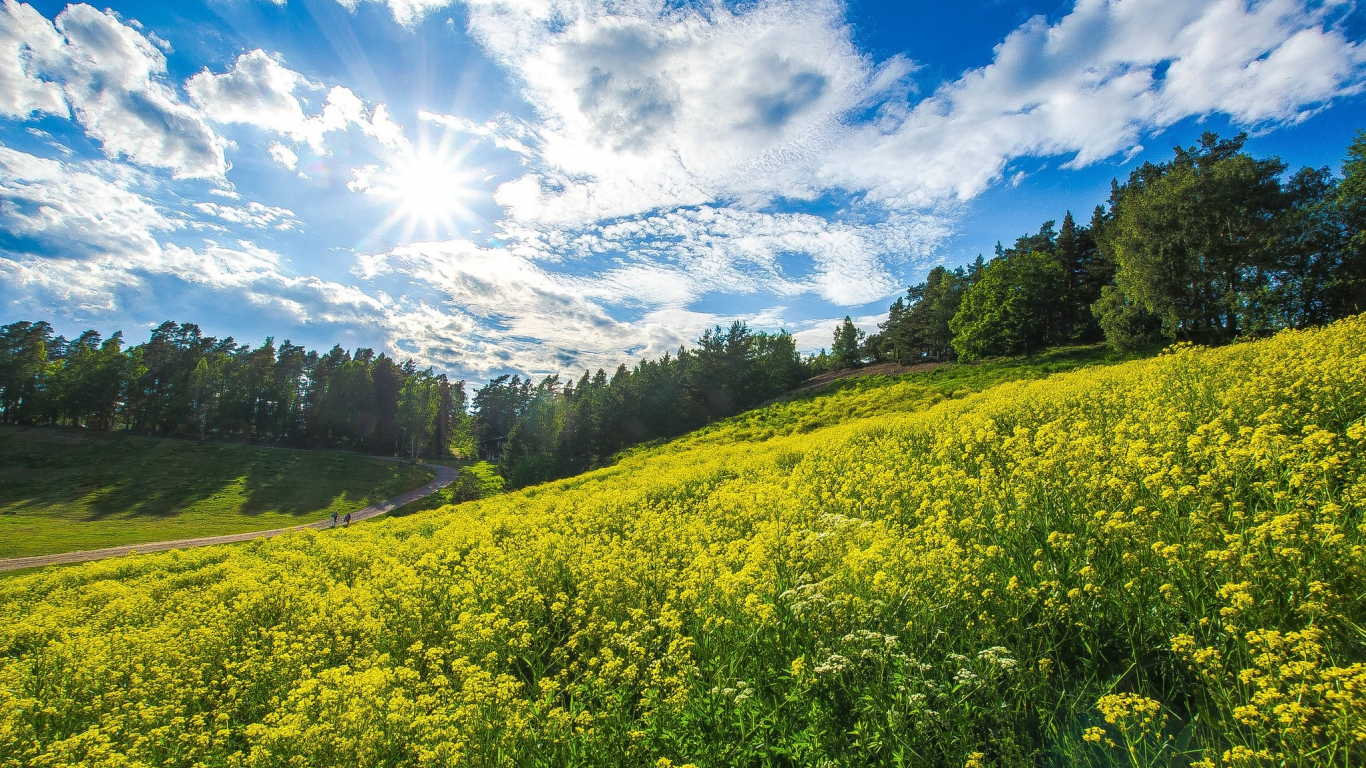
[
  {"x": 430, "y": 191},
  {"x": 430, "y": 187}
]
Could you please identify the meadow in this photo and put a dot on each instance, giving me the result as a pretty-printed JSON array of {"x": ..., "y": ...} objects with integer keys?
[
  {"x": 63, "y": 490},
  {"x": 1156, "y": 563}
]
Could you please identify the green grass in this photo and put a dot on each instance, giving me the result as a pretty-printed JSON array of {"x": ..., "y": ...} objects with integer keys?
[
  {"x": 64, "y": 490},
  {"x": 478, "y": 480},
  {"x": 872, "y": 396}
]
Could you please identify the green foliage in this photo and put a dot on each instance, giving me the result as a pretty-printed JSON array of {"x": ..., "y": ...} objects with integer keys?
[
  {"x": 1209, "y": 246},
  {"x": 917, "y": 326},
  {"x": 477, "y": 480},
  {"x": 1015, "y": 307},
  {"x": 23, "y": 365},
  {"x": 63, "y": 490},
  {"x": 847, "y": 346},
  {"x": 183, "y": 383},
  {"x": 554, "y": 428},
  {"x": 1127, "y": 326},
  {"x": 1190, "y": 237}
]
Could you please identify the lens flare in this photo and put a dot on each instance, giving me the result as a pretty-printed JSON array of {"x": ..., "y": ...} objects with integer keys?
[{"x": 430, "y": 191}]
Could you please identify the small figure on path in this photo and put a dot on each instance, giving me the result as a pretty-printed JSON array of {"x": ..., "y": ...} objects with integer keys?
[
  {"x": 348, "y": 519},
  {"x": 334, "y": 518}
]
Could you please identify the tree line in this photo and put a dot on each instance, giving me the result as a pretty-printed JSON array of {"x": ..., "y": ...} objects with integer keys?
[
  {"x": 1210, "y": 246},
  {"x": 556, "y": 428},
  {"x": 183, "y": 383}
]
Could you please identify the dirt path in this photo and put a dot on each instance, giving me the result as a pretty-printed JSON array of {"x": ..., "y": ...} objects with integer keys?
[{"x": 444, "y": 477}]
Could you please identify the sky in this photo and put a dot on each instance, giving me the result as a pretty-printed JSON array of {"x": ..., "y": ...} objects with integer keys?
[{"x": 544, "y": 186}]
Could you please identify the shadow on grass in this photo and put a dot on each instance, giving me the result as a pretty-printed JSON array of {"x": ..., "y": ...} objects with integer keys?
[{"x": 105, "y": 475}]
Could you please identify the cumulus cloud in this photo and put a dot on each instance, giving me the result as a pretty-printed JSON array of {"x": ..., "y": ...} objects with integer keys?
[
  {"x": 259, "y": 90},
  {"x": 1092, "y": 84},
  {"x": 29, "y": 45},
  {"x": 645, "y": 107},
  {"x": 112, "y": 77},
  {"x": 648, "y": 105}
]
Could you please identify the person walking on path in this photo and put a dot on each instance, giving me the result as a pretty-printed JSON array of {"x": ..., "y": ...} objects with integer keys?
[
  {"x": 348, "y": 519},
  {"x": 334, "y": 518}
]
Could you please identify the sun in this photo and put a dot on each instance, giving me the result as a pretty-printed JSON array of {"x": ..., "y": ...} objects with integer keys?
[
  {"x": 430, "y": 192},
  {"x": 431, "y": 187}
]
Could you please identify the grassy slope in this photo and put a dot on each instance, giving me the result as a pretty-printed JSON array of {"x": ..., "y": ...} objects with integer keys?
[
  {"x": 64, "y": 490},
  {"x": 1165, "y": 555}
]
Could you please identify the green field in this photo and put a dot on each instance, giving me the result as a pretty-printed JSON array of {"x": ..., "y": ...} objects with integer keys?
[{"x": 63, "y": 490}]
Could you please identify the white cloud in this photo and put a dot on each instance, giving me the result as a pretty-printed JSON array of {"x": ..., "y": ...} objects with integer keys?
[
  {"x": 62, "y": 209},
  {"x": 1093, "y": 83},
  {"x": 113, "y": 77},
  {"x": 220, "y": 267},
  {"x": 647, "y": 106},
  {"x": 28, "y": 46},
  {"x": 738, "y": 252},
  {"x": 515, "y": 311},
  {"x": 644, "y": 108},
  {"x": 67, "y": 285},
  {"x": 516, "y": 314},
  {"x": 259, "y": 90},
  {"x": 254, "y": 215},
  {"x": 362, "y": 182},
  {"x": 284, "y": 155},
  {"x": 406, "y": 12}
]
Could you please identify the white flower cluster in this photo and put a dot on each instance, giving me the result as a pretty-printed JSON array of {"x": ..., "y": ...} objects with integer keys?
[{"x": 738, "y": 694}]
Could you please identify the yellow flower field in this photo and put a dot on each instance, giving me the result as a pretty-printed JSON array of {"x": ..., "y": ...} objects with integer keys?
[{"x": 1157, "y": 563}]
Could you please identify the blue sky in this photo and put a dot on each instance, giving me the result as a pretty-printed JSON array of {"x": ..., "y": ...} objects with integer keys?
[{"x": 545, "y": 185}]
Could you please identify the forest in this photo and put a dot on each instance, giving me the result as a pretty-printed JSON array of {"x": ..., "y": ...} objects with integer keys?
[
  {"x": 558, "y": 428},
  {"x": 183, "y": 383}
]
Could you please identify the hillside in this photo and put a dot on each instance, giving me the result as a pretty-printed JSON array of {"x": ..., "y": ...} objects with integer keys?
[
  {"x": 1152, "y": 563},
  {"x": 63, "y": 490}
]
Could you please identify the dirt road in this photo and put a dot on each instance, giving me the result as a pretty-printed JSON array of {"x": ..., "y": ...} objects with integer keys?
[{"x": 444, "y": 477}]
